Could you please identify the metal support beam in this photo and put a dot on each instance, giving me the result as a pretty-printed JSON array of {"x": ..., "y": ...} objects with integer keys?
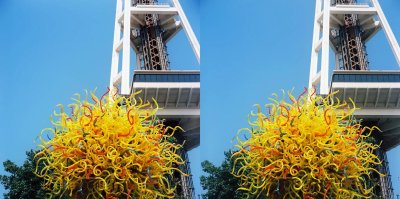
[
  {"x": 126, "y": 50},
  {"x": 344, "y": 94},
  {"x": 317, "y": 79},
  {"x": 390, "y": 125},
  {"x": 377, "y": 97},
  {"x": 177, "y": 25},
  {"x": 319, "y": 46},
  {"x": 137, "y": 20},
  {"x": 191, "y": 125},
  {"x": 172, "y": 17},
  {"x": 119, "y": 45},
  {"x": 324, "y": 89},
  {"x": 371, "y": 26},
  {"x": 337, "y": 20},
  {"x": 181, "y": 113},
  {"x": 350, "y": 10},
  {"x": 366, "y": 20},
  {"x": 188, "y": 30},
  {"x": 145, "y": 95},
  {"x": 154, "y": 10},
  {"x": 366, "y": 97},
  {"x": 355, "y": 95},
  {"x": 388, "y": 31},
  {"x": 115, "y": 53},
  {"x": 190, "y": 97},
  {"x": 179, "y": 97},
  {"x": 166, "y": 99},
  {"x": 314, "y": 53},
  {"x": 117, "y": 79},
  {"x": 366, "y": 113},
  {"x": 388, "y": 97},
  {"x": 156, "y": 97}
]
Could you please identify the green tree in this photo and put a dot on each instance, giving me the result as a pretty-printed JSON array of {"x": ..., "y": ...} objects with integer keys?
[
  {"x": 220, "y": 183},
  {"x": 22, "y": 183}
]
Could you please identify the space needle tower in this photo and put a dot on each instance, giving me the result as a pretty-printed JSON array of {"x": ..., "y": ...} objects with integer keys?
[
  {"x": 345, "y": 27},
  {"x": 144, "y": 28}
]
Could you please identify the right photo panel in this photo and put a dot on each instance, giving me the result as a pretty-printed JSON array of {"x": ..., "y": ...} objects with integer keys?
[{"x": 300, "y": 99}]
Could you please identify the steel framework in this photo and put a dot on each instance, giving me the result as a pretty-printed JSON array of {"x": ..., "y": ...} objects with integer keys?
[
  {"x": 145, "y": 26},
  {"x": 351, "y": 49},
  {"x": 152, "y": 51},
  {"x": 345, "y": 26}
]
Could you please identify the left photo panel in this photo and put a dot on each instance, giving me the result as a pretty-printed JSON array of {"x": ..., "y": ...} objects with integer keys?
[{"x": 101, "y": 99}]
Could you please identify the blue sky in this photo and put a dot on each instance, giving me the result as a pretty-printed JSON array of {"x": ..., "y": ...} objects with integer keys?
[{"x": 51, "y": 49}]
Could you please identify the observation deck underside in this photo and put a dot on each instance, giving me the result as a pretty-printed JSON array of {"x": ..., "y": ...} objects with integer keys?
[
  {"x": 377, "y": 94},
  {"x": 177, "y": 94}
]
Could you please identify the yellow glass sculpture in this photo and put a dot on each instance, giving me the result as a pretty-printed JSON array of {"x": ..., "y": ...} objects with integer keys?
[
  {"x": 310, "y": 147},
  {"x": 112, "y": 147}
]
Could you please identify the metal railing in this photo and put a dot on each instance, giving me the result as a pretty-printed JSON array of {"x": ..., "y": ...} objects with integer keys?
[
  {"x": 363, "y": 77},
  {"x": 351, "y": 2},
  {"x": 151, "y": 2}
]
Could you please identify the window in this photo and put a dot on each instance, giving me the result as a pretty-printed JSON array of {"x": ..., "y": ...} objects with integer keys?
[
  {"x": 163, "y": 78},
  {"x": 386, "y": 78},
  {"x": 341, "y": 78},
  {"x": 363, "y": 78},
  {"x": 391, "y": 78},
  {"x": 358, "y": 78},
  {"x": 166, "y": 78},
  {"x": 375, "y": 78}
]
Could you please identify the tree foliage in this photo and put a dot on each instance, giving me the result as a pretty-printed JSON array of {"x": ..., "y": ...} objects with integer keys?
[
  {"x": 22, "y": 182},
  {"x": 220, "y": 183}
]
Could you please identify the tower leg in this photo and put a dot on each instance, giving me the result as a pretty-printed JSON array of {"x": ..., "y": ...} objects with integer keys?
[
  {"x": 126, "y": 49},
  {"x": 324, "y": 87},
  {"x": 314, "y": 51},
  {"x": 188, "y": 30},
  {"x": 388, "y": 31},
  {"x": 115, "y": 51}
]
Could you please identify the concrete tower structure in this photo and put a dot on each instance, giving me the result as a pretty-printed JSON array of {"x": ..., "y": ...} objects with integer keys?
[
  {"x": 145, "y": 27},
  {"x": 345, "y": 26}
]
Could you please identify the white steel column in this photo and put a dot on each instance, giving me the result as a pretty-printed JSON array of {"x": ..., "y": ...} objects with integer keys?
[
  {"x": 115, "y": 51},
  {"x": 314, "y": 49},
  {"x": 188, "y": 30},
  {"x": 138, "y": 63},
  {"x": 388, "y": 31},
  {"x": 126, "y": 49},
  {"x": 324, "y": 89}
]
